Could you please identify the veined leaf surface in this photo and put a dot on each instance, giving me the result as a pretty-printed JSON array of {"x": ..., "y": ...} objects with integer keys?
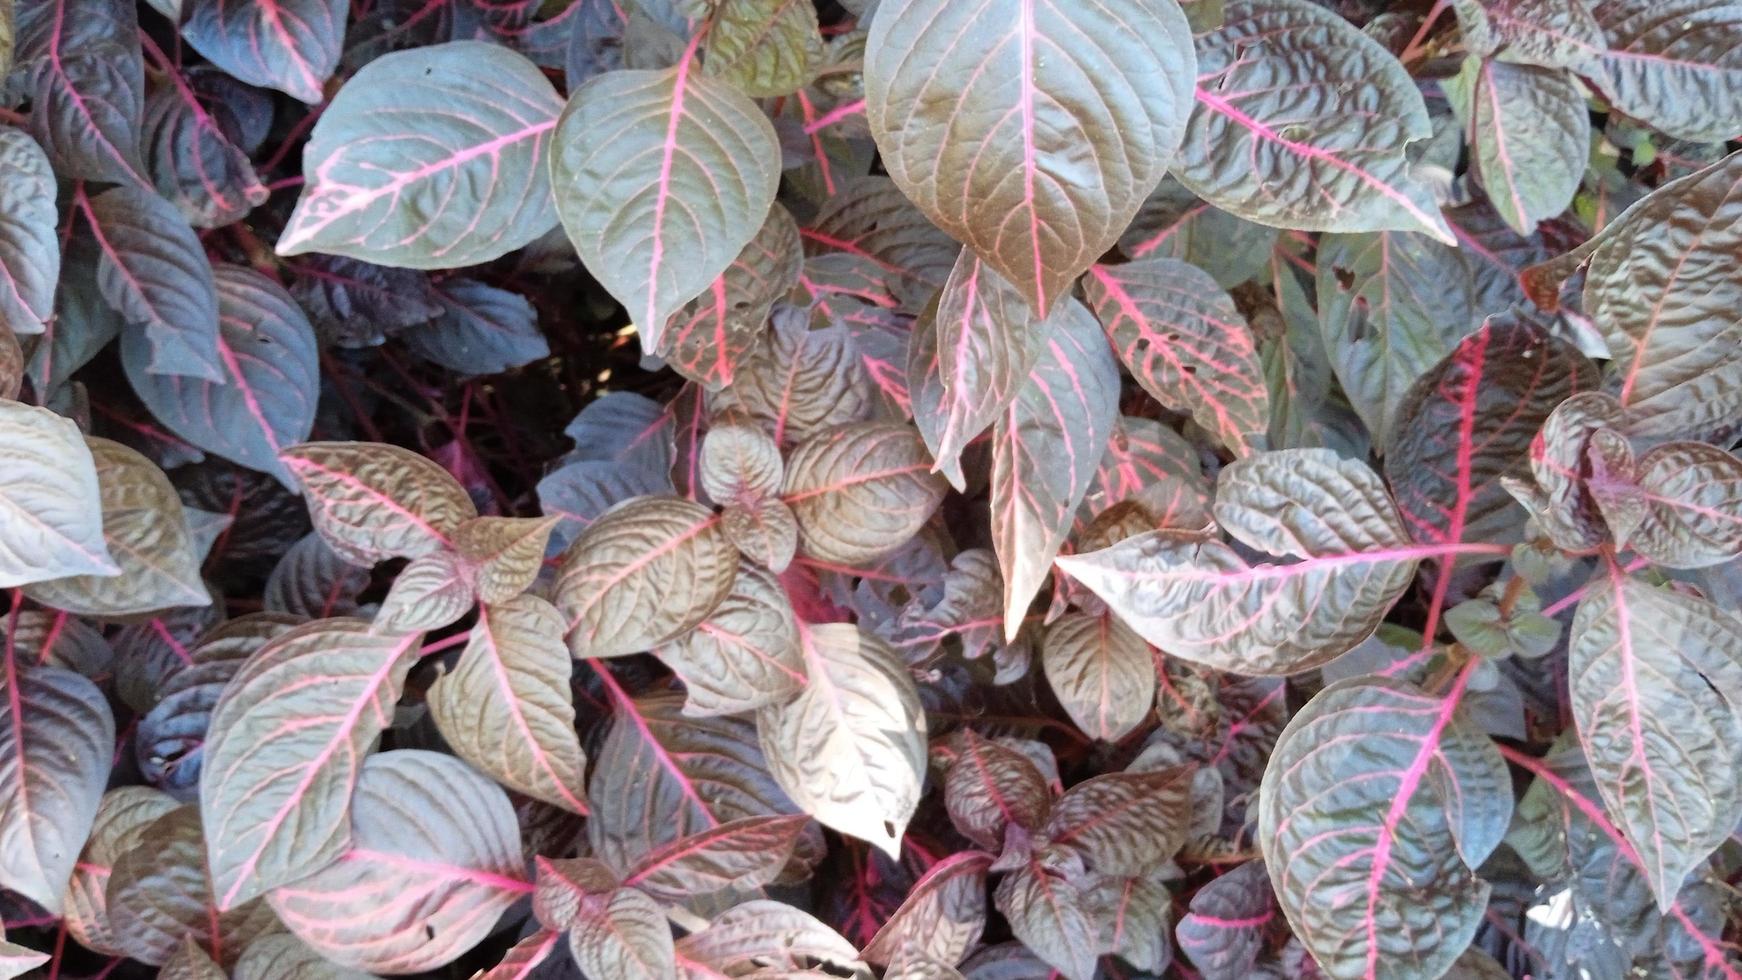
[
  {"x": 50, "y": 499},
  {"x": 1029, "y": 85},
  {"x": 29, "y": 251},
  {"x": 289, "y": 45}
]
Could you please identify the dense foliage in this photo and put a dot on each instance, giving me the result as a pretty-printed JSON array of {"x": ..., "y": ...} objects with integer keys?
[{"x": 991, "y": 489}]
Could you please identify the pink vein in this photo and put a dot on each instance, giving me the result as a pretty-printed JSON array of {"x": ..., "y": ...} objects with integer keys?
[
  {"x": 1025, "y": 30},
  {"x": 650, "y": 320}
]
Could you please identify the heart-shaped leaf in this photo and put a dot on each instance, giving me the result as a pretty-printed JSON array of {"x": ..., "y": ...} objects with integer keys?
[
  {"x": 506, "y": 706},
  {"x": 1030, "y": 86},
  {"x": 1186, "y": 344},
  {"x": 57, "y": 738},
  {"x": 265, "y": 401},
  {"x": 432, "y": 158},
  {"x": 661, "y": 179},
  {"x": 434, "y": 860},
  {"x": 1302, "y": 122},
  {"x": 290, "y": 45},
  {"x": 850, "y": 749},
  {"x": 276, "y": 794},
  {"x": 1372, "y": 856},
  {"x": 643, "y": 574},
  {"x": 50, "y": 499}
]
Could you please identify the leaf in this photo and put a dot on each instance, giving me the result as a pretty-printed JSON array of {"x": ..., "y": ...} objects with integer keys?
[
  {"x": 372, "y": 501},
  {"x": 661, "y": 179},
  {"x": 57, "y": 740},
  {"x": 289, "y": 45},
  {"x": 433, "y": 861},
  {"x": 358, "y": 303},
  {"x": 743, "y": 854},
  {"x": 523, "y": 958},
  {"x": 119, "y": 825},
  {"x": 170, "y": 740},
  {"x": 1390, "y": 306},
  {"x": 762, "y": 935},
  {"x": 313, "y": 582},
  {"x": 1200, "y": 600},
  {"x": 850, "y": 749},
  {"x": 1074, "y": 112},
  {"x": 707, "y": 339},
  {"x": 265, "y": 399},
  {"x": 1223, "y": 932},
  {"x": 943, "y": 915},
  {"x": 1469, "y": 422},
  {"x": 973, "y": 349},
  {"x": 745, "y": 654},
  {"x": 1124, "y": 823},
  {"x": 1530, "y": 133},
  {"x": 1045, "y": 450},
  {"x": 661, "y": 776},
  {"x": 765, "y": 533},
  {"x": 506, "y": 707},
  {"x": 284, "y": 957},
  {"x": 51, "y": 512},
  {"x": 160, "y": 896},
  {"x": 1271, "y": 141},
  {"x": 481, "y": 330},
  {"x": 147, "y": 534},
  {"x": 860, "y": 491},
  {"x": 1371, "y": 857},
  {"x": 29, "y": 250},
  {"x": 1174, "y": 224},
  {"x": 429, "y": 593},
  {"x": 288, "y": 739},
  {"x": 1693, "y": 512},
  {"x": 1655, "y": 678},
  {"x": 1131, "y": 916},
  {"x": 1672, "y": 65},
  {"x": 192, "y": 162},
  {"x": 1662, "y": 289},
  {"x": 1047, "y": 914},
  {"x": 765, "y": 48},
  {"x": 740, "y": 463},
  {"x": 16, "y": 960},
  {"x": 153, "y": 270},
  {"x": 190, "y": 962},
  {"x": 870, "y": 217},
  {"x": 1549, "y": 33},
  {"x": 432, "y": 158},
  {"x": 1186, "y": 344},
  {"x": 504, "y": 553},
  {"x": 990, "y": 787},
  {"x": 1102, "y": 673},
  {"x": 624, "y": 939},
  {"x": 802, "y": 382},
  {"x": 78, "y": 63},
  {"x": 643, "y": 574}
]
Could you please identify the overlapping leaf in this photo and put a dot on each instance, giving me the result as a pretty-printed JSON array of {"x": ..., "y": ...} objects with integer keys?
[
  {"x": 78, "y": 61},
  {"x": 289, "y": 45},
  {"x": 1029, "y": 86},
  {"x": 192, "y": 161},
  {"x": 265, "y": 401},
  {"x": 160, "y": 895},
  {"x": 1222, "y": 934},
  {"x": 850, "y": 749},
  {"x": 434, "y": 860},
  {"x": 745, "y": 654},
  {"x": 765, "y": 47},
  {"x": 661, "y": 179},
  {"x": 860, "y": 491},
  {"x": 372, "y": 501},
  {"x": 1047, "y": 913},
  {"x": 481, "y": 330},
  {"x": 506, "y": 706},
  {"x": 743, "y": 854},
  {"x": 1550, "y": 33},
  {"x": 1302, "y": 122},
  {"x": 1378, "y": 802},
  {"x": 1102, "y": 673},
  {"x": 708, "y": 338},
  {"x": 1673, "y": 64},
  {"x": 1045, "y": 450},
  {"x": 29, "y": 253},
  {"x": 122, "y": 817},
  {"x": 1692, "y": 513},
  {"x": 991, "y": 787},
  {"x": 802, "y": 382},
  {"x": 622, "y": 937},
  {"x": 50, "y": 499},
  {"x": 153, "y": 270},
  {"x": 1186, "y": 344},
  {"x": 430, "y": 158},
  {"x": 1530, "y": 133},
  {"x": 287, "y": 743},
  {"x": 763, "y": 935},
  {"x": 1200, "y": 600}
]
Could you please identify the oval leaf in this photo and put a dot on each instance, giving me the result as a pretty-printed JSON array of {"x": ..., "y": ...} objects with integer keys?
[
  {"x": 373, "y": 501},
  {"x": 29, "y": 250},
  {"x": 1102, "y": 673},
  {"x": 289, "y": 45},
  {"x": 154, "y": 271},
  {"x": 860, "y": 491},
  {"x": 1672, "y": 64},
  {"x": 1073, "y": 110},
  {"x": 51, "y": 506},
  {"x": 432, "y": 158},
  {"x": 745, "y": 654}
]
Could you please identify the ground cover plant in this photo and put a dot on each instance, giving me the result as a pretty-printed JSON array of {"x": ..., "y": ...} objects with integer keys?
[{"x": 985, "y": 489}]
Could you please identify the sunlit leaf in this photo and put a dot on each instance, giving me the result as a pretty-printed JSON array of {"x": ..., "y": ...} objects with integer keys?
[
  {"x": 29, "y": 253},
  {"x": 860, "y": 491},
  {"x": 373, "y": 501},
  {"x": 51, "y": 503}
]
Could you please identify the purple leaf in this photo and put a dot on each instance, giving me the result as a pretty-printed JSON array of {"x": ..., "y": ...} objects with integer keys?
[
  {"x": 481, "y": 330},
  {"x": 30, "y": 258},
  {"x": 192, "y": 161},
  {"x": 78, "y": 62},
  {"x": 1223, "y": 932},
  {"x": 1530, "y": 135},
  {"x": 290, "y": 45},
  {"x": 1671, "y": 64},
  {"x": 265, "y": 401}
]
